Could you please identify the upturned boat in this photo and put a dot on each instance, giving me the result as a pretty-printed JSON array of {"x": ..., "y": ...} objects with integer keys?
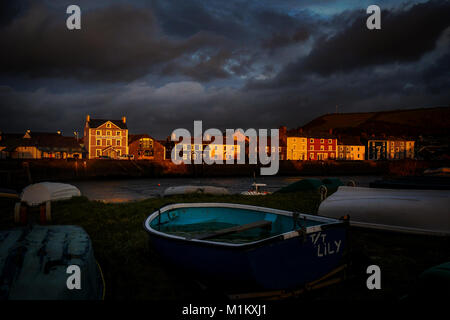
[
  {"x": 237, "y": 246},
  {"x": 398, "y": 210}
]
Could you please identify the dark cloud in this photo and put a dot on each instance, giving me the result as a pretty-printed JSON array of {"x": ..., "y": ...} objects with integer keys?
[
  {"x": 9, "y": 10},
  {"x": 406, "y": 35},
  {"x": 118, "y": 43},
  {"x": 158, "y": 47}
]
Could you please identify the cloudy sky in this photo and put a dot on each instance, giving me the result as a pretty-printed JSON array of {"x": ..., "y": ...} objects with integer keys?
[{"x": 230, "y": 63}]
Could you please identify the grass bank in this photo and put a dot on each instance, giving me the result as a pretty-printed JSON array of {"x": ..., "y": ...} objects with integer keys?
[{"x": 133, "y": 271}]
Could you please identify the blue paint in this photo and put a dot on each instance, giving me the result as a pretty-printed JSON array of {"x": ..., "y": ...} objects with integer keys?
[{"x": 271, "y": 264}]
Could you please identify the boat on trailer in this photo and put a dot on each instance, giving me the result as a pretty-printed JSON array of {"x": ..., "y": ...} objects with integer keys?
[
  {"x": 256, "y": 189},
  {"x": 240, "y": 246}
]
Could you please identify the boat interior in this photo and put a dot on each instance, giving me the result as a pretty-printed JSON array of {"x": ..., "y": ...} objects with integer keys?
[{"x": 231, "y": 225}]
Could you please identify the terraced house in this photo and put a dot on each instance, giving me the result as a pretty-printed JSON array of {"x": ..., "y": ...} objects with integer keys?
[
  {"x": 351, "y": 148},
  {"x": 104, "y": 137},
  {"x": 390, "y": 149},
  {"x": 400, "y": 149},
  {"x": 40, "y": 145},
  {"x": 322, "y": 148},
  {"x": 297, "y": 148}
]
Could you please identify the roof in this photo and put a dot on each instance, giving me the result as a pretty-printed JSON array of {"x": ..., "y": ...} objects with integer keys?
[
  {"x": 134, "y": 137},
  {"x": 350, "y": 141},
  {"x": 44, "y": 141},
  {"x": 95, "y": 123}
]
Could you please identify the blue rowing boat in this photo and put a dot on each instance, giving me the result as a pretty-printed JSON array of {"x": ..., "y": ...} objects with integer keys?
[{"x": 235, "y": 245}]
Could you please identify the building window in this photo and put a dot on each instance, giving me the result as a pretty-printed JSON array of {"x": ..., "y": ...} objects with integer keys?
[
  {"x": 311, "y": 148},
  {"x": 99, "y": 142},
  {"x": 98, "y": 133},
  {"x": 341, "y": 155},
  {"x": 118, "y": 143},
  {"x": 311, "y": 140},
  {"x": 117, "y": 133},
  {"x": 341, "y": 148},
  {"x": 98, "y": 153},
  {"x": 322, "y": 140},
  {"x": 322, "y": 148},
  {"x": 329, "y": 141},
  {"x": 108, "y": 142},
  {"x": 108, "y": 125}
]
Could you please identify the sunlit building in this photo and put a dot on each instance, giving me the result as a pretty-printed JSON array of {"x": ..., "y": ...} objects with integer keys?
[{"x": 106, "y": 138}]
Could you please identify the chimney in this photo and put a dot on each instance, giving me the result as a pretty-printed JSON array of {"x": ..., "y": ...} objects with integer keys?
[
  {"x": 124, "y": 119},
  {"x": 88, "y": 118}
]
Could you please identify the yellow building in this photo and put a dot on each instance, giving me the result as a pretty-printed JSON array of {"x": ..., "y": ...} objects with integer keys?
[
  {"x": 351, "y": 152},
  {"x": 297, "y": 148},
  {"x": 350, "y": 148},
  {"x": 219, "y": 151}
]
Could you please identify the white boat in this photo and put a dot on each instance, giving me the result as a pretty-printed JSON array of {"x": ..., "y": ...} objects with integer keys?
[
  {"x": 38, "y": 193},
  {"x": 256, "y": 190},
  {"x": 195, "y": 189},
  {"x": 411, "y": 211}
]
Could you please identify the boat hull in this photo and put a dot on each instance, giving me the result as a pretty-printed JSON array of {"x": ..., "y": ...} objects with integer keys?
[
  {"x": 408, "y": 211},
  {"x": 284, "y": 262}
]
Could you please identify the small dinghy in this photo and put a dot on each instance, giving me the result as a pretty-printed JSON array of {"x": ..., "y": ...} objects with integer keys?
[
  {"x": 171, "y": 191},
  {"x": 411, "y": 211},
  {"x": 42, "y": 192},
  {"x": 234, "y": 245}
]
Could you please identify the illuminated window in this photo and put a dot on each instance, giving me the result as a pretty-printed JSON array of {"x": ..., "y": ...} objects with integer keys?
[
  {"x": 108, "y": 133},
  {"x": 108, "y": 125},
  {"x": 98, "y": 132}
]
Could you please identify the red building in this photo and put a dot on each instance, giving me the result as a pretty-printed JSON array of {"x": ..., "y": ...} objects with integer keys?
[
  {"x": 144, "y": 147},
  {"x": 322, "y": 148}
]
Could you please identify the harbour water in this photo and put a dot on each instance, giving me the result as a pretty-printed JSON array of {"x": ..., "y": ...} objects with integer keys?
[{"x": 124, "y": 190}]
